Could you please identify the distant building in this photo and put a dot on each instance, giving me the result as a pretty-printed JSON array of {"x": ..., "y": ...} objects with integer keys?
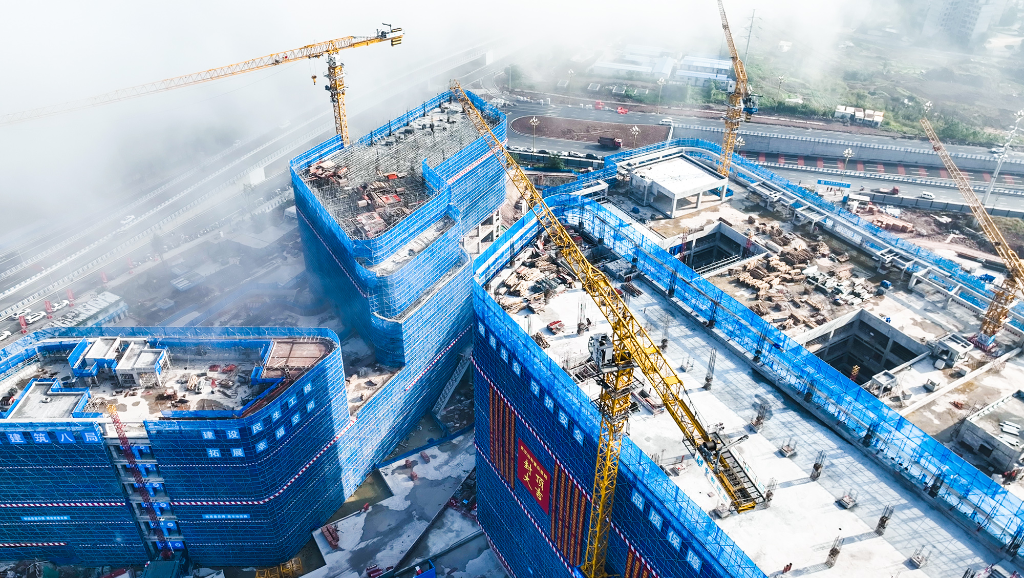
[
  {"x": 663, "y": 67},
  {"x": 700, "y": 71},
  {"x": 703, "y": 79},
  {"x": 965, "y": 21},
  {"x": 708, "y": 65},
  {"x": 620, "y": 69},
  {"x": 859, "y": 115}
]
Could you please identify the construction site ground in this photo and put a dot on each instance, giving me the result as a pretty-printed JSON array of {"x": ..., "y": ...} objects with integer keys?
[
  {"x": 589, "y": 131},
  {"x": 805, "y": 507},
  {"x": 384, "y": 533},
  {"x": 941, "y": 414}
]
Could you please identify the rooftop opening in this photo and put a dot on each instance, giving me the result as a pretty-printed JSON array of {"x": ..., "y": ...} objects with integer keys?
[{"x": 863, "y": 340}]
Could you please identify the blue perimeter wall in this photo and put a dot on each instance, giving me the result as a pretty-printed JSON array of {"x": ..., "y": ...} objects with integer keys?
[{"x": 507, "y": 360}]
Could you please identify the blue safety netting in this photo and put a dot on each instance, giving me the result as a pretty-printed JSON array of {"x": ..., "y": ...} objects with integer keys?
[{"x": 760, "y": 174}]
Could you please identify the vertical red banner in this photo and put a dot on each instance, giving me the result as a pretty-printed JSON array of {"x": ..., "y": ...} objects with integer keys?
[{"x": 534, "y": 477}]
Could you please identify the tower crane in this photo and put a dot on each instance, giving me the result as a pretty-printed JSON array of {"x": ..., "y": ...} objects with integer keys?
[
  {"x": 632, "y": 348},
  {"x": 335, "y": 78},
  {"x": 742, "y": 103},
  {"x": 999, "y": 308},
  {"x": 147, "y": 504}
]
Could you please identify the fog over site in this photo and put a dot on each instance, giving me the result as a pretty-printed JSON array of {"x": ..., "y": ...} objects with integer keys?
[{"x": 69, "y": 165}]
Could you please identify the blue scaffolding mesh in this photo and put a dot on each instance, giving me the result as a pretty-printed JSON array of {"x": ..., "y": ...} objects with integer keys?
[
  {"x": 277, "y": 473},
  {"x": 430, "y": 290},
  {"x": 950, "y": 267},
  {"x": 912, "y": 453}
]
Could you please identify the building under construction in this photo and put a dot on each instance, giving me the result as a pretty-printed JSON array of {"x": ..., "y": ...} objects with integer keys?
[
  {"x": 827, "y": 461},
  {"x": 234, "y": 444},
  {"x": 229, "y": 444}
]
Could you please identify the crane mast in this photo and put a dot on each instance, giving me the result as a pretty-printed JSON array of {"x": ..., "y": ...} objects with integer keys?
[
  {"x": 742, "y": 104},
  {"x": 335, "y": 76},
  {"x": 999, "y": 308},
  {"x": 633, "y": 349}
]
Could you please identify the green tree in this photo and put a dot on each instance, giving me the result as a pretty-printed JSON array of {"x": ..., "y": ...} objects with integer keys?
[{"x": 555, "y": 163}]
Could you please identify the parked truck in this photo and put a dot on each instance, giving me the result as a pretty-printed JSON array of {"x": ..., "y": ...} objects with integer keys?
[{"x": 609, "y": 142}]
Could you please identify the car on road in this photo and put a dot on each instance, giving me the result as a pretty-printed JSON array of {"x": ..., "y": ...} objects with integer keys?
[
  {"x": 575, "y": 154},
  {"x": 542, "y": 152},
  {"x": 57, "y": 306},
  {"x": 665, "y": 121},
  {"x": 591, "y": 156},
  {"x": 128, "y": 220},
  {"x": 926, "y": 196},
  {"x": 4, "y": 335},
  {"x": 25, "y": 311},
  {"x": 997, "y": 150},
  {"x": 34, "y": 317}
]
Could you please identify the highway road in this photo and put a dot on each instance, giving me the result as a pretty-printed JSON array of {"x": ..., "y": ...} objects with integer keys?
[
  {"x": 641, "y": 118},
  {"x": 795, "y": 175}
]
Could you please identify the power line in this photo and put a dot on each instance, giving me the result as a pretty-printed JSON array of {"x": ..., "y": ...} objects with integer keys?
[{"x": 750, "y": 32}]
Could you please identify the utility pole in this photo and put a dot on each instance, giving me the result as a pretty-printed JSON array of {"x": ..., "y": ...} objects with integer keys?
[{"x": 750, "y": 32}]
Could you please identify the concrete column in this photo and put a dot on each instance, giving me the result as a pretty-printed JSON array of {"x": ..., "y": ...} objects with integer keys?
[{"x": 700, "y": 196}]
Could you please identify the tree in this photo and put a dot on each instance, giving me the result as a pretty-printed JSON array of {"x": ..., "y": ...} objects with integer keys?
[{"x": 555, "y": 163}]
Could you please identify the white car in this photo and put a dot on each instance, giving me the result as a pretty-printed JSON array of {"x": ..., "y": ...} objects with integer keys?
[
  {"x": 665, "y": 121},
  {"x": 926, "y": 196},
  {"x": 4, "y": 335},
  {"x": 25, "y": 311},
  {"x": 997, "y": 150},
  {"x": 128, "y": 220},
  {"x": 34, "y": 317},
  {"x": 57, "y": 306}
]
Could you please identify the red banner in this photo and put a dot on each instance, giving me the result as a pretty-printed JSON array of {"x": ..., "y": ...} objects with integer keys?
[{"x": 534, "y": 477}]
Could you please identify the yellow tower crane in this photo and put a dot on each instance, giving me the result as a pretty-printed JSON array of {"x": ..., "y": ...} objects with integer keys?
[
  {"x": 633, "y": 349},
  {"x": 335, "y": 77},
  {"x": 999, "y": 308},
  {"x": 742, "y": 103}
]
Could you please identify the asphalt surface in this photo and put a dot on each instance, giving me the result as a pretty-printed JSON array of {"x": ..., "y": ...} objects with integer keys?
[
  {"x": 560, "y": 146},
  {"x": 641, "y": 118}
]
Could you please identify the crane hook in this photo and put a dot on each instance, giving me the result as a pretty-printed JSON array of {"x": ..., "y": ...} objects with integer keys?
[{"x": 314, "y": 80}]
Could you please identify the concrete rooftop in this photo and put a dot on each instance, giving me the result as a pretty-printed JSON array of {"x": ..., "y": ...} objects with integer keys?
[{"x": 804, "y": 517}]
